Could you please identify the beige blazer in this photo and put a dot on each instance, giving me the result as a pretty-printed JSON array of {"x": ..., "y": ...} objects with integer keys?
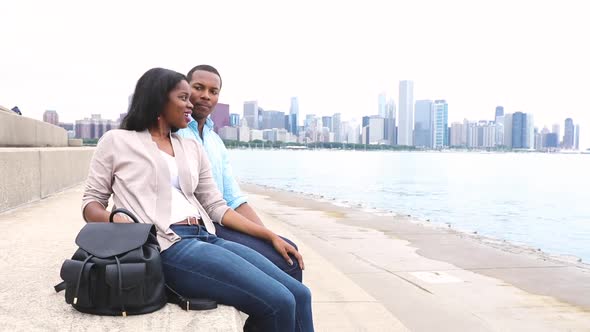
[{"x": 128, "y": 165}]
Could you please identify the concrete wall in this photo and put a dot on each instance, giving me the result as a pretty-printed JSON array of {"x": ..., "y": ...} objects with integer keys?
[
  {"x": 30, "y": 174},
  {"x": 20, "y": 131}
]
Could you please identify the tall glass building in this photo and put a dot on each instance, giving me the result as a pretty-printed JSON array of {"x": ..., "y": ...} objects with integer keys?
[
  {"x": 440, "y": 124},
  {"x": 519, "y": 131},
  {"x": 423, "y": 123}
]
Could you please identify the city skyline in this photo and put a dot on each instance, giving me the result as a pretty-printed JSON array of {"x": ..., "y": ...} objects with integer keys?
[
  {"x": 431, "y": 128},
  {"x": 528, "y": 63}
]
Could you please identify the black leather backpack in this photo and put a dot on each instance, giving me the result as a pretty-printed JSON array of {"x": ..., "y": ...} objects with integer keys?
[{"x": 116, "y": 270}]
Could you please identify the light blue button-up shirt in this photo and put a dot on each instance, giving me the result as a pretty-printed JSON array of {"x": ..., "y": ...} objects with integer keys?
[{"x": 217, "y": 153}]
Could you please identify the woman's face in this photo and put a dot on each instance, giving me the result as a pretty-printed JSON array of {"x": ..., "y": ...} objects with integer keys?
[{"x": 178, "y": 108}]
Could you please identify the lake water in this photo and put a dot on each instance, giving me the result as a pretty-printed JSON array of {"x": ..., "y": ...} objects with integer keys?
[{"x": 539, "y": 200}]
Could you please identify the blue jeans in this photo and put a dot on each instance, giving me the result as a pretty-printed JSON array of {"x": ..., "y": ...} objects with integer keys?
[
  {"x": 202, "y": 265},
  {"x": 262, "y": 247}
]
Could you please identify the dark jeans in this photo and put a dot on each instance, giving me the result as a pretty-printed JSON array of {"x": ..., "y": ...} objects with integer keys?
[
  {"x": 202, "y": 265},
  {"x": 264, "y": 248}
]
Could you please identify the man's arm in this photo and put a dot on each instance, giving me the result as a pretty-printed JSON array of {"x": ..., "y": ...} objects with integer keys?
[
  {"x": 248, "y": 212},
  {"x": 232, "y": 193}
]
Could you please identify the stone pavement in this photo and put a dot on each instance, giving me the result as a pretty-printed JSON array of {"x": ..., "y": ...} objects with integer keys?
[
  {"x": 385, "y": 257},
  {"x": 40, "y": 236}
]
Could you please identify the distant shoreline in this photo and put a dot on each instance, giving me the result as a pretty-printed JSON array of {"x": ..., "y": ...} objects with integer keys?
[
  {"x": 319, "y": 202},
  {"x": 377, "y": 148}
]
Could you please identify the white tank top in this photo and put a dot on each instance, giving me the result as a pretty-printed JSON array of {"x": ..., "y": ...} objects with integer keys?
[{"x": 181, "y": 207}]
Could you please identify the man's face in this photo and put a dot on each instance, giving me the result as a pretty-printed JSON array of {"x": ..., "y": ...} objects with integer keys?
[{"x": 205, "y": 88}]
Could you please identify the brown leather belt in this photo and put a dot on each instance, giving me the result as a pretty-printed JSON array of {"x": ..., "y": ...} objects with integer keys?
[{"x": 191, "y": 221}]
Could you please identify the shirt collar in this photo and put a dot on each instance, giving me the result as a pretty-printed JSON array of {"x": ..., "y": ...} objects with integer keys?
[{"x": 195, "y": 125}]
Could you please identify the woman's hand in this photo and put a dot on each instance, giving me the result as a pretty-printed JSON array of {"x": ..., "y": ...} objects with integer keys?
[
  {"x": 284, "y": 248},
  {"x": 121, "y": 219},
  {"x": 237, "y": 222}
]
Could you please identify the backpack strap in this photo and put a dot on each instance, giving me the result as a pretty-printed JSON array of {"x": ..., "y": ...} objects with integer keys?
[
  {"x": 59, "y": 287},
  {"x": 189, "y": 303}
]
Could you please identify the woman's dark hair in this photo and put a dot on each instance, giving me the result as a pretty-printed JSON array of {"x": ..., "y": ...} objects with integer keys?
[{"x": 150, "y": 98}]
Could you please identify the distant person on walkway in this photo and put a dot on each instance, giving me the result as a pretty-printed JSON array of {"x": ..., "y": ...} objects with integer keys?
[
  {"x": 16, "y": 110},
  {"x": 166, "y": 180},
  {"x": 205, "y": 82}
]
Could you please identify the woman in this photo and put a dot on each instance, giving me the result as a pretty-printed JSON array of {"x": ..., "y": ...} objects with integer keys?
[{"x": 166, "y": 181}]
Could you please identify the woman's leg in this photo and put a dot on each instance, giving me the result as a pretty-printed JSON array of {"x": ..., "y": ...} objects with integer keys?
[
  {"x": 196, "y": 268},
  {"x": 301, "y": 293}
]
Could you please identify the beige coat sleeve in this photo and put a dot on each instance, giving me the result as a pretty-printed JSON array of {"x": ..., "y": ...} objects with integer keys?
[{"x": 100, "y": 175}]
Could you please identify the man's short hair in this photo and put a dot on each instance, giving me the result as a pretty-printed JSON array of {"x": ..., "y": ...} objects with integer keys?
[{"x": 208, "y": 68}]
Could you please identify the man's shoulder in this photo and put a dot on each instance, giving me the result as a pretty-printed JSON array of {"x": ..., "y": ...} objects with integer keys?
[{"x": 186, "y": 133}]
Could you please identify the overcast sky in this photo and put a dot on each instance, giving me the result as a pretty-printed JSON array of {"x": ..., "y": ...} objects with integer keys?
[{"x": 81, "y": 57}]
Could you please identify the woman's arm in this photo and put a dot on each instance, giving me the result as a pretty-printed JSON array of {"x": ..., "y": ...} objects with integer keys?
[
  {"x": 208, "y": 195},
  {"x": 99, "y": 183},
  {"x": 247, "y": 211},
  {"x": 239, "y": 223},
  {"x": 95, "y": 212}
]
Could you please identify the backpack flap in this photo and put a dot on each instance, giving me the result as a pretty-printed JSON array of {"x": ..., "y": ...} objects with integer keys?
[
  {"x": 129, "y": 289},
  {"x": 132, "y": 275},
  {"x": 110, "y": 239}
]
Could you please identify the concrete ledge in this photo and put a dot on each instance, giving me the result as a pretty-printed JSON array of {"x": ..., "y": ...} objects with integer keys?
[
  {"x": 75, "y": 142},
  {"x": 20, "y": 131},
  {"x": 41, "y": 237},
  {"x": 32, "y": 174}
]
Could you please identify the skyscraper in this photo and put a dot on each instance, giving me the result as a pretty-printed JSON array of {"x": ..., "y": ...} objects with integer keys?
[
  {"x": 234, "y": 119},
  {"x": 94, "y": 127},
  {"x": 423, "y": 127},
  {"x": 405, "y": 131},
  {"x": 294, "y": 106},
  {"x": 568, "y": 134},
  {"x": 293, "y": 120},
  {"x": 556, "y": 129},
  {"x": 327, "y": 122},
  {"x": 376, "y": 129},
  {"x": 440, "y": 133},
  {"x": 52, "y": 117},
  {"x": 508, "y": 130},
  {"x": 500, "y": 130},
  {"x": 382, "y": 105},
  {"x": 294, "y": 116},
  {"x": 519, "y": 131},
  {"x": 220, "y": 116},
  {"x": 530, "y": 131},
  {"x": 272, "y": 119},
  {"x": 251, "y": 114},
  {"x": 390, "y": 132},
  {"x": 337, "y": 128},
  {"x": 457, "y": 130},
  {"x": 577, "y": 143},
  {"x": 551, "y": 141},
  {"x": 499, "y": 113}
]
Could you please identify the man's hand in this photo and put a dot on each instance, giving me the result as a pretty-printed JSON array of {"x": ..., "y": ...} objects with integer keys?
[{"x": 285, "y": 249}]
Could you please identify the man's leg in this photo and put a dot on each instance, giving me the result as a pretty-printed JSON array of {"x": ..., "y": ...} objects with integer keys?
[{"x": 264, "y": 248}]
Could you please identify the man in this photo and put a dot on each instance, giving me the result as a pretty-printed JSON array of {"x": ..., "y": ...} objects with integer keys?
[{"x": 205, "y": 82}]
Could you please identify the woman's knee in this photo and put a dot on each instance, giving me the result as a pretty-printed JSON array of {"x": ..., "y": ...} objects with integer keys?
[{"x": 284, "y": 303}]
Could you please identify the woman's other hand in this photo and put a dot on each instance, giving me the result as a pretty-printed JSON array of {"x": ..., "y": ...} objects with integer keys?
[{"x": 284, "y": 248}]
